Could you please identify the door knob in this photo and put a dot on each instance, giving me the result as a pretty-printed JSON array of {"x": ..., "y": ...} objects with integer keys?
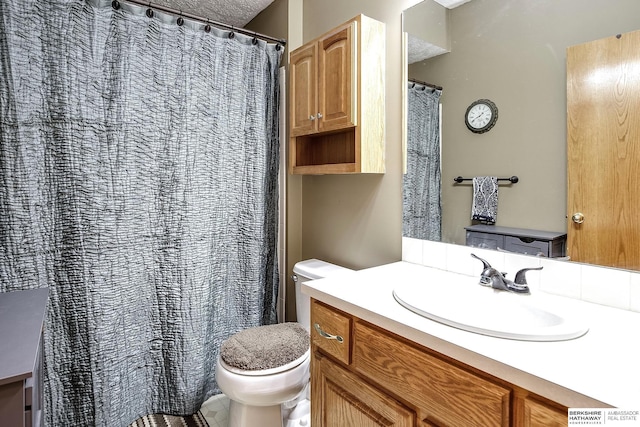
[{"x": 578, "y": 218}]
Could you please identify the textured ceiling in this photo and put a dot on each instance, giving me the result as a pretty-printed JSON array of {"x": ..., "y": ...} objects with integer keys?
[
  {"x": 239, "y": 12},
  {"x": 232, "y": 12}
]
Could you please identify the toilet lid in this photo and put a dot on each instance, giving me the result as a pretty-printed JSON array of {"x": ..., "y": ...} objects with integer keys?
[{"x": 270, "y": 347}]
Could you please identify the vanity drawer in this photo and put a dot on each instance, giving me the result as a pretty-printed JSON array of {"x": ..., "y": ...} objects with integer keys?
[
  {"x": 331, "y": 331},
  {"x": 445, "y": 394}
]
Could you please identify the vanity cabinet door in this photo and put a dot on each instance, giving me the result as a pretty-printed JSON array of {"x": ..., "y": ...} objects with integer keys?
[
  {"x": 538, "y": 414},
  {"x": 342, "y": 399}
]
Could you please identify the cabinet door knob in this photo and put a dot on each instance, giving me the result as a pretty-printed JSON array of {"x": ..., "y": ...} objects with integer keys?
[
  {"x": 578, "y": 218},
  {"x": 319, "y": 115},
  {"x": 312, "y": 118}
]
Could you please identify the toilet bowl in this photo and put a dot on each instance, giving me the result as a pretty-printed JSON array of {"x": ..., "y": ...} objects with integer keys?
[
  {"x": 262, "y": 368},
  {"x": 255, "y": 397}
]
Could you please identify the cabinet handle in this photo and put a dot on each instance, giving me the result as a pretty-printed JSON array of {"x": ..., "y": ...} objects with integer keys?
[
  {"x": 312, "y": 118},
  {"x": 323, "y": 334},
  {"x": 319, "y": 115}
]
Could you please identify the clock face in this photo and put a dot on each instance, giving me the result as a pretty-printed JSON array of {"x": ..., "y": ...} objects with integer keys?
[{"x": 481, "y": 116}]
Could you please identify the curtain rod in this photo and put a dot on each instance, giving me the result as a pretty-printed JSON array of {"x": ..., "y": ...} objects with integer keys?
[
  {"x": 425, "y": 84},
  {"x": 116, "y": 5}
]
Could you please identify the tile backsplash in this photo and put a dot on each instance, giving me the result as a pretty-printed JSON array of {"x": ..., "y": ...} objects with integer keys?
[{"x": 602, "y": 285}]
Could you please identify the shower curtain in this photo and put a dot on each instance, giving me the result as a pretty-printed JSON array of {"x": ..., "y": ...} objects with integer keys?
[
  {"x": 421, "y": 207},
  {"x": 138, "y": 182}
]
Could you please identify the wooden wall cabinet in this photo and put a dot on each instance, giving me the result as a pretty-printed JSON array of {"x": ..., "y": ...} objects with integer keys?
[
  {"x": 337, "y": 101},
  {"x": 380, "y": 379}
]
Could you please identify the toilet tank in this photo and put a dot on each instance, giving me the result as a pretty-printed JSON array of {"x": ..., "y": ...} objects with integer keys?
[{"x": 304, "y": 271}]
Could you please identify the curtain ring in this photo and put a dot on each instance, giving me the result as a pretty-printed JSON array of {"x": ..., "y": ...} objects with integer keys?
[
  {"x": 207, "y": 28},
  {"x": 115, "y": 4},
  {"x": 180, "y": 21},
  {"x": 255, "y": 39},
  {"x": 232, "y": 34},
  {"x": 149, "y": 11},
  {"x": 278, "y": 47}
]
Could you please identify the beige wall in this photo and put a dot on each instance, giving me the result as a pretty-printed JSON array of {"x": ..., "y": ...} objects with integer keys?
[
  {"x": 356, "y": 220},
  {"x": 513, "y": 52}
]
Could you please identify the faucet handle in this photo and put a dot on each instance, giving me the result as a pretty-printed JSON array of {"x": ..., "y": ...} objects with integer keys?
[
  {"x": 521, "y": 278},
  {"x": 486, "y": 264}
]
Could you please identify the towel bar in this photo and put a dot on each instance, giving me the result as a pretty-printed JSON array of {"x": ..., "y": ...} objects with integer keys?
[{"x": 514, "y": 179}]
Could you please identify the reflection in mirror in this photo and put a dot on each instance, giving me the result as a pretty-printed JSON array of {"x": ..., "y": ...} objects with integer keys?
[
  {"x": 514, "y": 53},
  {"x": 421, "y": 210}
]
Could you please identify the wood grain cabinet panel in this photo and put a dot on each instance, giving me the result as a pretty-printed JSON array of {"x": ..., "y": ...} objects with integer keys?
[
  {"x": 448, "y": 395},
  {"x": 303, "y": 76},
  {"x": 538, "y": 414},
  {"x": 347, "y": 401},
  {"x": 331, "y": 331}
]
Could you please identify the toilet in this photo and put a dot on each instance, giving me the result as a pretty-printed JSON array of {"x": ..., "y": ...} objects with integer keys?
[{"x": 264, "y": 371}]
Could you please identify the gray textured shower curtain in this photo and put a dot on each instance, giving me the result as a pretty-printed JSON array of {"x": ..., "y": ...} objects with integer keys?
[
  {"x": 421, "y": 206},
  {"x": 138, "y": 172}
]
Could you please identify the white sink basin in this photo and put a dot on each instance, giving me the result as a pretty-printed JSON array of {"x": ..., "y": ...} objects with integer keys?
[{"x": 489, "y": 312}]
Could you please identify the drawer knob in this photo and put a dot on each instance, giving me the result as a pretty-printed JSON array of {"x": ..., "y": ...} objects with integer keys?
[{"x": 323, "y": 334}]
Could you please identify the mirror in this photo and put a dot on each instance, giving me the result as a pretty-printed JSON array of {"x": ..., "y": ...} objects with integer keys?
[{"x": 512, "y": 52}]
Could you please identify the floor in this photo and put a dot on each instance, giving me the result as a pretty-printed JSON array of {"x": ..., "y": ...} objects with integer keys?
[{"x": 216, "y": 410}]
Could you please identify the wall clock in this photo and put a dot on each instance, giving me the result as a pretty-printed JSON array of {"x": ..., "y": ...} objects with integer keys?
[{"x": 481, "y": 116}]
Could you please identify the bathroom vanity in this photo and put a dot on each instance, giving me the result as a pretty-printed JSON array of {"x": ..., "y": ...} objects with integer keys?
[{"x": 393, "y": 367}]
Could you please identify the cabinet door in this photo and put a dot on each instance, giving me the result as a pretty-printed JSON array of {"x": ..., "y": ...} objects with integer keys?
[
  {"x": 537, "y": 414},
  {"x": 340, "y": 399},
  {"x": 337, "y": 82},
  {"x": 304, "y": 108}
]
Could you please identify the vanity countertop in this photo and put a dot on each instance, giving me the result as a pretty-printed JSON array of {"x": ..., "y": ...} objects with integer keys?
[{"x": 598, "y": 369}]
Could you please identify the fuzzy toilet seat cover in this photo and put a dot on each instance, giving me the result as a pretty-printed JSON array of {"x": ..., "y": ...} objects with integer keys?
[{"x": 265, "y": 347}]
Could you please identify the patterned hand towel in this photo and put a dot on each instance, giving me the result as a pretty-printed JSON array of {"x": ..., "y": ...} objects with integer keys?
[{"x": 485, "y": 199}]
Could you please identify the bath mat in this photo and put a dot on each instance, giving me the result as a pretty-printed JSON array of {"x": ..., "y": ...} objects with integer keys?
[{"x": 161, "y": 420}]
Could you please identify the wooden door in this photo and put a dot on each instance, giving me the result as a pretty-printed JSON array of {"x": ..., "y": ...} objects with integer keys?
[
  {"x": 603, "y": 151},
  {"x": 340, "y": 399},
  {"x": 303, "y": 70},
  {"x": 336, "y": 85}
]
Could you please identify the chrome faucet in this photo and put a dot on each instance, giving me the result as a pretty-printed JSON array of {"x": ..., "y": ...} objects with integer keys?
[{"x": 497, "y": 280}]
